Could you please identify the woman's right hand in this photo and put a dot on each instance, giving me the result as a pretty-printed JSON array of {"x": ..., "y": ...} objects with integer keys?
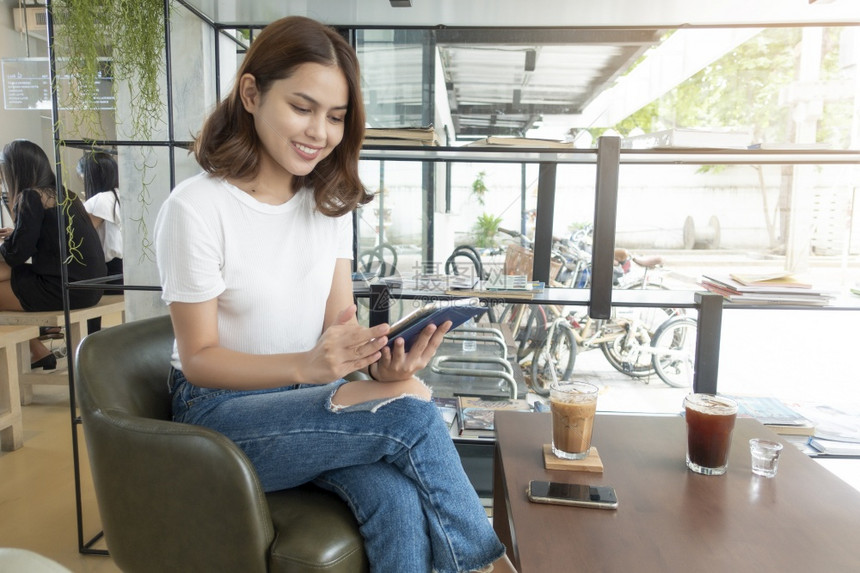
[
  {"x": 344, "y": 347},
  {"x": 5, "y": 232}
]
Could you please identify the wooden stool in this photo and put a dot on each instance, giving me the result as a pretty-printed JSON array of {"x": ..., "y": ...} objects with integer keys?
[
  {"x": 111, "y": 308},
  {"x": 11, "y": 425}
]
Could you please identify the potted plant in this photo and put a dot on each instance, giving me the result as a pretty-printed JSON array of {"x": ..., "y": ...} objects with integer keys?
[{"x": 485, "y": 229}]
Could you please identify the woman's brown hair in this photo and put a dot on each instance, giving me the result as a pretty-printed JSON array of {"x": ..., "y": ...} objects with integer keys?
[
  {"x": 228, "y": 145},
  {"x": 25, "y": 167}
]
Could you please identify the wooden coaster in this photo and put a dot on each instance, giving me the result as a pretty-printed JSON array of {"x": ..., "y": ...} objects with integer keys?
[{"x": 592, "y": 463}]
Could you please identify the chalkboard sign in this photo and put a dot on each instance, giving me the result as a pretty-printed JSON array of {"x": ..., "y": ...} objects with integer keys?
[{"x": 27, "y": 84}]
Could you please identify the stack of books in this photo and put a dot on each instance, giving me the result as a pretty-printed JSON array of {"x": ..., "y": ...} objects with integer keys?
[
  {"x": 458, "y": 284},
  {"x": 523, "y": 142},
  {"x": 408, "y": 136},
  {"x": 513, "y": 287},
  {"x": 765, "y": 289},
  {"x": 509, "y": 282}
]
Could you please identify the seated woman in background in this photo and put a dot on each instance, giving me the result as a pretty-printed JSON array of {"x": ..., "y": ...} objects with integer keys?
[
  {"x": 30, "y": 195},
  {"x": 101, "y": 181},
  {"x": 99, "y": 171}
]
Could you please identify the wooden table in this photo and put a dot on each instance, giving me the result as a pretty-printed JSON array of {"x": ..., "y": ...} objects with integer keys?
[{"x": 668, "y": 518}]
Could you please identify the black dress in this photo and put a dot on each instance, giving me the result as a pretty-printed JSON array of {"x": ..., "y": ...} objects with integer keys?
[{"x": 36, "y": 236}]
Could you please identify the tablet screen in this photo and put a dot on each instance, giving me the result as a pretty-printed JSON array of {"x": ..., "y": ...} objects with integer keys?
[{"x": 457, "y": 311}]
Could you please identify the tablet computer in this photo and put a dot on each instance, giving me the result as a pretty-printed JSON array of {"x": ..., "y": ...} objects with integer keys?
[{"x": 457, "y": 311}]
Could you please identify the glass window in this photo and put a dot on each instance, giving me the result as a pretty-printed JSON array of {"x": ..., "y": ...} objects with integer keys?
[
  {"x": 394, "y": 79},
  {"x": 776, "y": 89}
]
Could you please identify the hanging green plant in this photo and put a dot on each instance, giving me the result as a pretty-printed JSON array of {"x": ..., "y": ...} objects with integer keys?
[
  {"x": 73, "y": 247},
  {"x": 144, "y": 201},
  {"x": 122, "y": 40}
]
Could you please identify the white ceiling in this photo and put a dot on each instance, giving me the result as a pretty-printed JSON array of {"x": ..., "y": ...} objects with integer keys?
[
  {"x": 579, "y": 52},
  {"x": 536, "y": 13}
]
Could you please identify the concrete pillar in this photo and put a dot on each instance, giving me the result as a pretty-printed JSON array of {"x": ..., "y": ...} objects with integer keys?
[
  {"x": 806, "y": 114},
  {"x": 145, "y": 170}
]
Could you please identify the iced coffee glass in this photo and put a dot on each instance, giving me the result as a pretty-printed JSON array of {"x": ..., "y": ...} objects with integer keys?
[
  {"x": 573, "y": 405},
  {"x": 710, "y": 422}
]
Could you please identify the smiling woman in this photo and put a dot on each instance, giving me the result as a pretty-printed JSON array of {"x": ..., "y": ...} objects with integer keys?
[
  {"x": 231, "y": 143},
  {"x": 254, "y": 258},
  {"x": 299, "y": 121}
]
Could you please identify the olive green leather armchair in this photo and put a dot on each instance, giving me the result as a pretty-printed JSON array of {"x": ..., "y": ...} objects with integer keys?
[{"x": 177, "y": 497}]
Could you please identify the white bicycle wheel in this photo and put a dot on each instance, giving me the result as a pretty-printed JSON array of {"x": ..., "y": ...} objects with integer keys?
[{"x": 674, "y": 351}]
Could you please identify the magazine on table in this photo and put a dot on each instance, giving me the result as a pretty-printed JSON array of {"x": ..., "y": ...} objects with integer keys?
[
  {"x": 478, "y": 412},
  {"x": 839, "y": 424},
  {"x": 834, "y": 447},
  {"x": 447, "y": 407},
  {"x": 774, "y": 414}
]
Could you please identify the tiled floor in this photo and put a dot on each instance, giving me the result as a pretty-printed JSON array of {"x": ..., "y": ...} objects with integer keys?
[{"x": 37, "y": 495}]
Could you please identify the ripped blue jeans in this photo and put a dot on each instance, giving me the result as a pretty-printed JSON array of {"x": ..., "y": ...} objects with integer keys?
[{"x": 392, "y": 461}]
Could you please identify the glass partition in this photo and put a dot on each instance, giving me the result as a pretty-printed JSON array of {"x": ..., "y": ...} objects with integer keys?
[
  {"x": 782, "y": 89},
  {"x": 390, "y": 229},
  {"x": 779, "y": 88},
  {"x": 393, "y": 79},
  {"x": 724, "y": 87}
]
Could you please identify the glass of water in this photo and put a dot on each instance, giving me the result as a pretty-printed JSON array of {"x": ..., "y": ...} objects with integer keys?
[{"x": 765, "y": 457}]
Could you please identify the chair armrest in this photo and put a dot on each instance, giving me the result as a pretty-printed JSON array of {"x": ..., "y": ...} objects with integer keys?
[
  {"x": 357, "y": 375},
  {"x": 184, "y": 478}
]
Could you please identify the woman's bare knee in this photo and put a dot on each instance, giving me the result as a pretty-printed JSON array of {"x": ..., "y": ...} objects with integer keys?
[
  {"x": 359, "y": 391},
  {"x": 8, "y": 300}
]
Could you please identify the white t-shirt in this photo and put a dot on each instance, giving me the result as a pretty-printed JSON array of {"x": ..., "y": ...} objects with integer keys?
[
  {"x": 269, "y": 266},
  {"x": 104, "y": 206}
]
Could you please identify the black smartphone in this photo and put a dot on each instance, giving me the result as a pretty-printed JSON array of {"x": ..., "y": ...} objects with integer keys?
[{"x": 581, "y": 495}]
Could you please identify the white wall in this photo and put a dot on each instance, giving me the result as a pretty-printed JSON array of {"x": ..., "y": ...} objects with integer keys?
[
  {"x": 654, "y": 202},
  {"x": 22, "y": 124}
]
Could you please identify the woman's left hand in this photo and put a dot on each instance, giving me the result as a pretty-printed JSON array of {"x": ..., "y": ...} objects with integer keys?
[{"x": 396, "y": 364}]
